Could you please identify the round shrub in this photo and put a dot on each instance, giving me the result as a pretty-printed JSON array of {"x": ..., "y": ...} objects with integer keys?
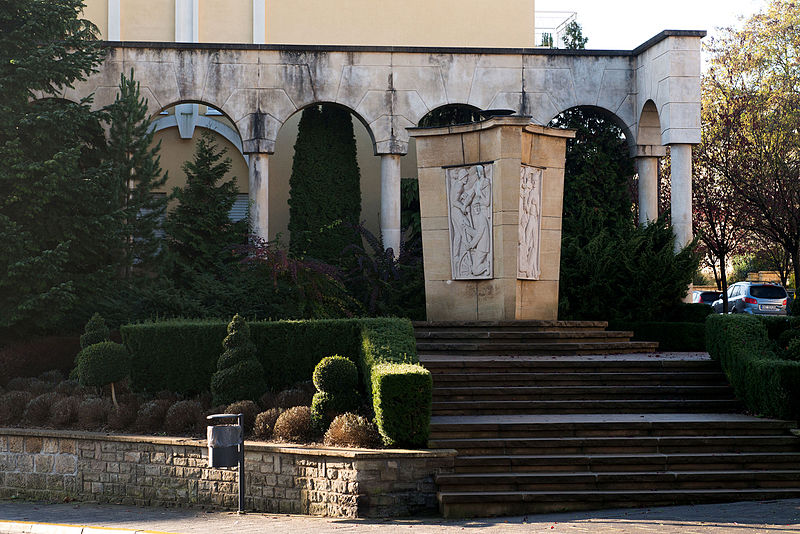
[
  {"x": 239, "y": 374},
  {"x": 124, "y": 417},
  {"x": 351, "y": 430},
  {"x": 787, "y": 335},
  {"x": 150, "y": 417},
  {"x": 265, "y": 423},
  {"x": 53, "y": 377},
  {"x": 249, "y": 409},
  {"x": 93, "y": 413},
  {"x": 289, "y": 398},
  {"x": 68, "y": 387},
  {"x": 294, "y": 425},
  {"x": 95, "y": 331},
  {"x": 325, "y": 406},
  {"x": 64, "y": 412},
  {"x": 12, "y": 406},
  {"x": 335, "y": 374},
  {"x": 37, "y": 412},
  {"x": 184, "y": 417},
  {"x": 268, "y": 400},
  {"x": 793, "y": 349},
  {"x": 102, "y": 363}
]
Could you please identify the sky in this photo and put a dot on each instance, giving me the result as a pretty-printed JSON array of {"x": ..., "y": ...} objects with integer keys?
[{"x": 625, "y": 24}]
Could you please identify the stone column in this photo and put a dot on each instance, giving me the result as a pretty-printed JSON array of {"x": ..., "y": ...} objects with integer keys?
[
  {"x": 390, "y": 202},
  {"x": 681, "y": 198},
  {"x": 259, "y": 194},
  {"x": 647, "y": 167}
]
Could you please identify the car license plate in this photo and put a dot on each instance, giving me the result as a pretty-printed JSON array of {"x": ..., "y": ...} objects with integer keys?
[{"x": 769, "y": 307}]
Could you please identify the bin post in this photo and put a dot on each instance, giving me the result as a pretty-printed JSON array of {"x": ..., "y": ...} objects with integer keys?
[{"x": 226, "y": 462}]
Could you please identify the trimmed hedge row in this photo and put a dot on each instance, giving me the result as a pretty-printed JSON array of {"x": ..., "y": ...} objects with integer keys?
[
  {"x": 181, "y": 356},
  {"x": 765, "y": 383},
  {"x": 683, "y": 337}
]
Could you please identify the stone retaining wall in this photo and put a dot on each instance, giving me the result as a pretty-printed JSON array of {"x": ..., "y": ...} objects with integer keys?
[{"x": 156, "y": 471}]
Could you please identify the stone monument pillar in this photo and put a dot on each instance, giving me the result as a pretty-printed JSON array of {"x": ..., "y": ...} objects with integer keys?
[{"x": 491, "y": 196}]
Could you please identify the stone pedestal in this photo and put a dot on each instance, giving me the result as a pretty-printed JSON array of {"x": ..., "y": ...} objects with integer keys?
[{"x": 491, "y": 196}]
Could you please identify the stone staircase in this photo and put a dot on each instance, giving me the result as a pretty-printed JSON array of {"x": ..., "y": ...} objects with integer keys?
[{"x": 570, "y": 430}]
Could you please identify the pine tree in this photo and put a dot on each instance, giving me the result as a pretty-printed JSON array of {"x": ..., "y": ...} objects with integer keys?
[
  {"x": 200, "y": 233},
  {"x": 325, "y": 196},
  {"x": 136, "y": 173},
  {"x": 51, "y": 191}
]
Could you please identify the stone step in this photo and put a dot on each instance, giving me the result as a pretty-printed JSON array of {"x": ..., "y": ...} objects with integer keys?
[
  {"x": 618, "y": 445},
  {"x": 610, "y": 425},
  {"x": 513, "y": 407},
  {"x": 445, "y": 379},
  {"x": 501, "y": 503},
  {"x": 535, "y": 348},
  {"x": 564, "y": 364},
  {"x": 502, "y": 463},
  {"x": 520, "y": 335},
  {"x": 495, "y": 326},
  {"x": 615, "y": 481},
  {"x": 581, "y": 392}
]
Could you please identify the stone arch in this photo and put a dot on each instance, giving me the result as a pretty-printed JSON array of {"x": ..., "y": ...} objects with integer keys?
[
  {"x": 457, "y": 113},
  {"x": 610, "y": 115},
  {"x": 226, "y": 129},
  {"x": 351, "y": 111},
  {"x": 649, "y": 130}
]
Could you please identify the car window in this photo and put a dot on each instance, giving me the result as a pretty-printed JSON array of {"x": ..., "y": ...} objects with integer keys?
[
  {"x": 734, "y": 291},
  {"x": 768, "y": 292}
]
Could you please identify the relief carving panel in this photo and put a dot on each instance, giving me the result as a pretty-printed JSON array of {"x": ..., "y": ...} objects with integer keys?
[
  {"x": 469, "y": 199},
  {"x": 530, "y": 223}
]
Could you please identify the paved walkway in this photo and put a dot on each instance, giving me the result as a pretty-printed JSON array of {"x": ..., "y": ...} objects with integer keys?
[{"x": 763, "y": 517}]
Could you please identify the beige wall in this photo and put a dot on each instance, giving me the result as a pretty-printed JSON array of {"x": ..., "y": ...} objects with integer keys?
[{"x": 477, "y": 23}]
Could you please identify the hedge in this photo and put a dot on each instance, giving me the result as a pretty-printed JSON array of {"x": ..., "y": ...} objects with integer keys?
[
  {"x": 684, "y": 336},
  {"x": 765, "y": 383},
  {"x": 181, "y": 356}
]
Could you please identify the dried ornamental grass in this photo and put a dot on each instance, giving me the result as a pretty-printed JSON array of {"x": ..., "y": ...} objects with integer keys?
[
  {"x": 184, "y": 417},
  {"x": 265, "y": 423},
  {"x": 247, "y": 407},
  {"x": 64, "y": 412},
  {"x": 289, "y": 398},
  {"x": 150, "y": 417},
  {"x": 93, "y": 413},
  {"x": 12, "y": 406},
  {"x": 294, "y": 425},
  {"x": 351, "y": 430},
  {"x": 37, "y": 412}
]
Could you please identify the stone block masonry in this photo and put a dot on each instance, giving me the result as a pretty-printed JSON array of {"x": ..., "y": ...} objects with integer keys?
[{"x": 160, "y": 471}]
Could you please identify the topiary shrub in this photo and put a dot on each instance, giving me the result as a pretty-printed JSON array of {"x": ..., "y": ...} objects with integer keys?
[
  {"x": 64, "y": 412},
  {"x": 294, "y": 425},
  {"x": 95, "y": 331},
  {"x": 289, "y": 398},
  {"x": 401, "y": 397},
  {"x": 265, "y": 423},
  {"x": 351, "y": 430},
  {"x": 184, "y": 417},
  {"x": 249, "y": 409},
  {"x": 12, "y": 406},
  {"x": 93, "y": 413},
  {"x": 786, "y": 336},
  {"x": 335, "y": 374},
  {"x": 37, "y": 411},
  {"x": 150, "y": 416},
  {"x": 326, "y": 406},
  {"x": 239, "y": 375},
  {"x": 103, "y": 363}
]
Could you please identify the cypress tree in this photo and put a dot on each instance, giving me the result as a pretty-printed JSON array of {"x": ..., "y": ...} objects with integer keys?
[{"x": 325, "y": 195}]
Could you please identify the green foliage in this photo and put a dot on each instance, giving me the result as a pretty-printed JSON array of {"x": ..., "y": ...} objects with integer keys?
[
  {"x": 335, "y": 374},
  {"x": 683, "y": 312},
  {"x": 777, "y": 325},
  {"x": 326, "y": 406},
  {"x": 671, "y": 336},
  {"x": 102, "y": 363},
  {"x": 764, "y": 383},
  {"x": 450, "y": 115},
  {"x": 547, "y": 40},
  {"x": 239, "y": 374},
  {"x": 201, "y": 237},
  {"x": 402, "y": 403},
  {"x": 573, "y": 36},
  {"x": 793, "y": 348},
  {"x": 136, "y": 170},
  {"x": 325, "y": 194},
  {"x": 96, "y": 331}
]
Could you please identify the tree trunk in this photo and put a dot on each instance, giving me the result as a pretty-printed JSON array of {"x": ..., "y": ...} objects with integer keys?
[
  {"x": 724, "y": 280},
  {"x": 114, "y": 397}
]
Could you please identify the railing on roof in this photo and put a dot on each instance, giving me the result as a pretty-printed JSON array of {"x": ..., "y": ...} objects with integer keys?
[{"x": 553, "y": 24}]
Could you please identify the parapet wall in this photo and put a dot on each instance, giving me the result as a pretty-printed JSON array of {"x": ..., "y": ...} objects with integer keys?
[{"x": 157, "y": 471}]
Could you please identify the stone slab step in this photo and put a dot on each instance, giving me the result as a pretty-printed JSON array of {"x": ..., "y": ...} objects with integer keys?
[
  {"x": 520, "y": 335},
  {"x": 627, "y": 462},
  {"x": 562, "y": 364},
  {"x": 535, "y": 347},
  {"x": 508, "y": 325},
  {"x": 487, "y": 503},
  {"x": 619, "y": 445},
  {"x": 446, "y": 378},
  {"x": 580, "y": 392},
  {"x": 511, "y": 407}
]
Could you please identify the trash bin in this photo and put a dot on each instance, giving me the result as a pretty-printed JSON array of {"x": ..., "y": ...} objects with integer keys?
[{"x": 223, "y": 445}]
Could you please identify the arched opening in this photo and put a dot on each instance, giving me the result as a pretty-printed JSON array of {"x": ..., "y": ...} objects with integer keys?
[
  {"x": 649, "y": 126},
  {"x": 450, "y": 115},
  {"x": 179, "y": 126}
]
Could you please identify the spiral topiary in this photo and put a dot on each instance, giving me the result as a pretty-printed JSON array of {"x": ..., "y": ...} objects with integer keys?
[
  {"x": 95, "y": 331},
  {"x": 335, "y": 378},
  {"x": 239, "y": 374}
]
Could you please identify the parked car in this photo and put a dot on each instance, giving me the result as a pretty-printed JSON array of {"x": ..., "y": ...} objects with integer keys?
[
  {"x": 705, "y": 297},
  {"x": 759, "y": 298}
]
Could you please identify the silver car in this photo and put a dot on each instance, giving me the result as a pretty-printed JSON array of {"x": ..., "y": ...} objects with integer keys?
[{"x": 759, "y": 298}]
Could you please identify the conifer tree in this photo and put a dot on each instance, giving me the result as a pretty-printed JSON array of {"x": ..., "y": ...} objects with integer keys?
[
  {"x": 136, "y": 171},
  {"x": 325, "y": 196},
  {"x": 239, "y": 375}
]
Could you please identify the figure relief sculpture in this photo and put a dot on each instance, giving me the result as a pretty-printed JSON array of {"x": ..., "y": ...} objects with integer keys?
[
  {"x": 469, "y": 197},
  {"x": 530, "y": 223}
]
